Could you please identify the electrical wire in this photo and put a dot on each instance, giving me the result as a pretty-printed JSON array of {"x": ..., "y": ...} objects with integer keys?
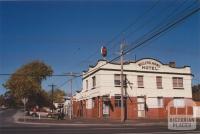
[
  {"x": 126, "y": 28},
  {"x": 151, "y": 37}
]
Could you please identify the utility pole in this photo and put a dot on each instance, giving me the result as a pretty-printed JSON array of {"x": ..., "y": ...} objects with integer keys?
[
  {"x": 72, "y": 74},
  {"x": 122, "y": 82},
  {"x": 52, "y": 92},
  {"x": 71, "y": 105}
]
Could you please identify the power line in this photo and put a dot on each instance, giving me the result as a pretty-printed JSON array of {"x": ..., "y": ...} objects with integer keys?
[
  {"x": 33, "y": 75},
  {"x": 153, "y": 36},
  {"x": 145, "y": 22},
  {"x": 172, "y": 13},
  {"x": 160, "y": 24},
  {"x": 158, "y": 33},
  {"x": 150, "y": 20},
  {"x": 126, "y": 28},
  {"x": 73, "y": 76},
  {"x": 164, "y": 29},
  {"x": 153, "y": 18}
]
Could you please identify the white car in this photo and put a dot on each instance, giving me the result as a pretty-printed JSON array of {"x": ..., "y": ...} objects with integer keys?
[{"x": 41, "y": 113}]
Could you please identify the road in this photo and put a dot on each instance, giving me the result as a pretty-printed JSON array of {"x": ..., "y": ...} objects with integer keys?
[
  {"x": 6, "y": 118},
  {"x": 8, "y": 126}
]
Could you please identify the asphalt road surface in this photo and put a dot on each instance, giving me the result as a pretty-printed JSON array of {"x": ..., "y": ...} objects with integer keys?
[{"x": 8, "y": 126}]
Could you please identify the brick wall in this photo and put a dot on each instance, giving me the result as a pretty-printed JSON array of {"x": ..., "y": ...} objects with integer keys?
[{"x": 131, "y": 112}]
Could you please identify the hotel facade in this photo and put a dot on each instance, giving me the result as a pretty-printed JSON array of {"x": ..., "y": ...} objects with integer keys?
[{"x": 149, "y": 85}]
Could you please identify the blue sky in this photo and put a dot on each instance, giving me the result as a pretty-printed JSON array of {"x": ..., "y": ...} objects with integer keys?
[{"x": 68, "y": 35}]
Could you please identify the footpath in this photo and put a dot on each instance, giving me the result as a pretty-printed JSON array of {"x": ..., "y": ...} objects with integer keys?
[
  {"x": 19, "y": 118},
  {"x": 43, "y": 121}
]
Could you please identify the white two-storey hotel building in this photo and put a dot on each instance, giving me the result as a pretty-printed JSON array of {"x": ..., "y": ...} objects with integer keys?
[{"x": 149, "y": 85}]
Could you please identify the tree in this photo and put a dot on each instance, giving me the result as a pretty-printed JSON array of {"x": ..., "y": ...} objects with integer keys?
[
  {"x": 26, "y": 81},
  {"x": 1, "y": 100},
  {"x": 10, "y": 100},
  {"x": 40, "y": 99},
  {"x": 58, "y": 95},
  {"x": 196, "y": 92}
]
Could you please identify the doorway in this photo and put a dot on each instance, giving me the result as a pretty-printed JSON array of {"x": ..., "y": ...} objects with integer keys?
[{"x": 141, "y": 107}]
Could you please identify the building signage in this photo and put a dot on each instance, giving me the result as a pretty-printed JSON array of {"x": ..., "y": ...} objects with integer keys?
[{"x": 149, "y": 65}]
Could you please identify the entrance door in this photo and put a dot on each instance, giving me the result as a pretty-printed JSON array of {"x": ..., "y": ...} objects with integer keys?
[
  {"x": 105, "y": 109},
  {"x": 141, "y": 107}
]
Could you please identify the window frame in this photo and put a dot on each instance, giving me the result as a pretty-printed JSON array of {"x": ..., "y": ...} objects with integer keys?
[
  {"x": 160, "y": 105},
  {"x": 117, "y": 101},
  {"x": 93, "y": 82},
  {"x": 177, "y": 100},
  {"x": 177, "y": 82},
  {"x": 86, "y": 84},
  {"x": 142, "y": 81},
  {"x": 117, "y": 83},
  {"x": 159, "y": 82}
]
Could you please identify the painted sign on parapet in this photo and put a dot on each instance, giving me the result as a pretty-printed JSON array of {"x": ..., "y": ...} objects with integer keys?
[{"x": 149, "y": 64}]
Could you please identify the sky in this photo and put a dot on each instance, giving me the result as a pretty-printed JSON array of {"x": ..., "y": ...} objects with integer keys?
[{"x": 68, "y": 35}]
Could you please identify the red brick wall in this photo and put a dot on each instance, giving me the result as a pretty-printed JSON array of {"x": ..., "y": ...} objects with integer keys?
[
  {"x": 115, "y": 112},
  {"x": 75, "y": 108},
  {"x": 156, "y": 113},
  {"x": 131, "y": 112},
  {"x": 131, "y": 108}
]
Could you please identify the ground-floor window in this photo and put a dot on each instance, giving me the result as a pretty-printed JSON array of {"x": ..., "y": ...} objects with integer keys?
[
  {"x": 89, "y": 104},
  {"x": 117, "y": 101},
  {"x": 155, "y": 102},
  {"x": 179, "y": 102},
  {"x": 106, "y": 108}
]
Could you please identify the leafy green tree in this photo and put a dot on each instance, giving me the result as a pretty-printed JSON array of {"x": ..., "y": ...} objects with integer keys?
[{"x": 26, "y": 81}]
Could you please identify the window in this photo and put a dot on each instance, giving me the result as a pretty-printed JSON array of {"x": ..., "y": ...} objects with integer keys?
[
  {"x": 155, "y": 102},
  {"x": 86, "y": 84},
  {"x": 179, "y": 102},
  {"x": 159, "y": 82},
  {"x": 89, "y": 104},
  {"x": 177, "y": 82},
  {"x": 117, "y": 80},
  {"x": 93, "y": 102},
  {"x": 117, "y": 101},
  {"x": 94, "y": 82},
  {"x": 160, "y": 102},
  {"x": 140, "y": 81}
]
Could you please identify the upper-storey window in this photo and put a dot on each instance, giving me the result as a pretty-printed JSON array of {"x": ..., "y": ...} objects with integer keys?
[
  {"x": 140, "y": 81},
  {"x": 117, "y": 79},
  {"x": 86, "y": 82},
  {"x": 177, "y": 82},
  {"x": 159, "y": 82},
  {"x": 93, "y": 82}
]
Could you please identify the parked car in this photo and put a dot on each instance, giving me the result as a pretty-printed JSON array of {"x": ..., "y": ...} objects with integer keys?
[
  {"x": 3, "y": 107},
  {"x": 43, "y": 112}
]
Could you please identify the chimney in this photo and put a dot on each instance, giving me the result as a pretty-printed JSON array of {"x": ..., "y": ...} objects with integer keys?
[{"x": 172, "y": 64}]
